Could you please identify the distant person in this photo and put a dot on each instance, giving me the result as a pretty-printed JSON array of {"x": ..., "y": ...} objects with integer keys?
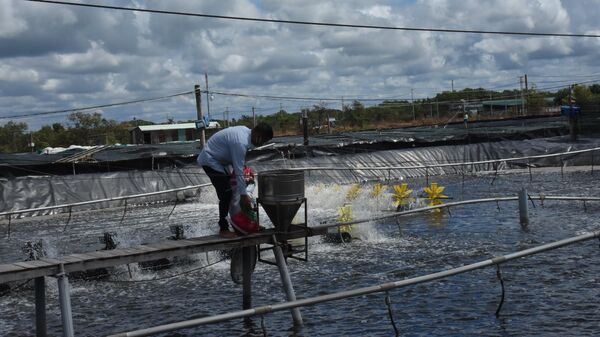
[
  {"x": 466, "y": 120},
  {"x": 225, "y": 153}
]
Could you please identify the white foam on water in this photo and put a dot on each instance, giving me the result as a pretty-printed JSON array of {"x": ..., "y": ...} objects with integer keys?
[{"x": 325, "y": 201}]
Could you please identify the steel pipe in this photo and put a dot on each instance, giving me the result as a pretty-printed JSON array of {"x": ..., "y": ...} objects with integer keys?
[
  {"x": 104, "y": 200},
  {"x": 64, "y": 294},
  {"x": 360, "y": 291}
]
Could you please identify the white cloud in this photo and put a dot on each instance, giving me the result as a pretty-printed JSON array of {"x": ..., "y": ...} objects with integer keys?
[
  {"x": 10, "y": 23},
  {"x": 94, "y": 59},
  {"x": 234, "y": 63},
  {"x": 378, "y": 11},
  {"x": 51, "y": 84},
  {"x": 15, "y": 74},
  {"x": 65, "y": 56}
]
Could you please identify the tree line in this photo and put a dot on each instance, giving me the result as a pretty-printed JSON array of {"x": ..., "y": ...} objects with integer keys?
[{"x": 92, "y": 129}]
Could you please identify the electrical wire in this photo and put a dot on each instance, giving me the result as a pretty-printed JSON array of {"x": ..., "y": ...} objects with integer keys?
[
  {"x": 318, "y": 99},
  {"x": 314, "y": 23},
  {"x": 97, "y": 106},
  {"x": 286, "y": 98}
]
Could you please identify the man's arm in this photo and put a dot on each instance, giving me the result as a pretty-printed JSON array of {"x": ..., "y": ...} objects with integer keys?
[{"x": 238, "y": 157}]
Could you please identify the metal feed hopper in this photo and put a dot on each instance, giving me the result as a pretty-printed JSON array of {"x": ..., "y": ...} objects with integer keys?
[{"x": 281, "y": 193}]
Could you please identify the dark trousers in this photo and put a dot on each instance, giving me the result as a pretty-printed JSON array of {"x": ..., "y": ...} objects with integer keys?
[{"x": 221, "y": 183}]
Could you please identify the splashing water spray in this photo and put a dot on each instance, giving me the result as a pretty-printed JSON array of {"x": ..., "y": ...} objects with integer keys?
[
  {"x": 435, "y": 196},
  {"x": 378, "y": 189},
  {"x": 402, "y": 197}
]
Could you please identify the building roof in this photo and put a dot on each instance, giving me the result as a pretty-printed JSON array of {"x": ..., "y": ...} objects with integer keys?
[
  {"x": 513, "y": 102},
  {"x": 161, "y": 127},
  {"x": 504, "y": 102}
]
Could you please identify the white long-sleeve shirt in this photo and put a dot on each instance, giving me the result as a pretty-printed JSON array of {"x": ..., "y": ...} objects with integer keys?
[{"x": 228, "y": 147}]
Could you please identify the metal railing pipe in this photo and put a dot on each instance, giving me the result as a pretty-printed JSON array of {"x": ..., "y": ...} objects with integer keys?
[
  {"x": 387, "y": 168},
  {"x": 360, "y": 291},
  {"x": 125, "y": 197},
  {"x": 490, "y": 161},
  {"x": 452, "y": 204}
]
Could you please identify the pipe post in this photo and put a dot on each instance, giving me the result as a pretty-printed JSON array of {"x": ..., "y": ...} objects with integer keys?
[
  {"x": 305, "y": 127},
  {"x": 40, "y": 307},
  {"x": 247, "y": 277},
  {"x": 200, "y": 115},
  {"x": 287, "y": 281},
  {"x": 523, "y": 208},
  {"x": 65, "y": 302}
]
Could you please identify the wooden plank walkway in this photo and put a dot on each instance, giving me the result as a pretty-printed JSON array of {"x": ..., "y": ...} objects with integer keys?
[{"x": 24, "y": 270}]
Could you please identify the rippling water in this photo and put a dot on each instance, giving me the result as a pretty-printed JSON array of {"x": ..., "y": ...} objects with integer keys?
[{"x": 553, "y": 293}]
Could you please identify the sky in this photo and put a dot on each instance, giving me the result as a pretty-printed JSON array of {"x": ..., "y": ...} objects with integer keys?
[{"x": 57, "y": 57}]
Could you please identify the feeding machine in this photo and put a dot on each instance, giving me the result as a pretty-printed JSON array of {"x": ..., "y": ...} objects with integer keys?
[{"x": 281, "y": 194}]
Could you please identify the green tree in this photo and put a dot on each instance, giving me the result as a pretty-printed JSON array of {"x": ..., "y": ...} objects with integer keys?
[
  {"x": 535, "y": 102},
  {"x": 45, "y": 137},
  {"x": 595, "y": 89},
  {"x": 13, "y": 137},
  {"x": 583, "y": 95},
  {"x": 562, "y": 96},
  {"x": 354, "y": 114}
]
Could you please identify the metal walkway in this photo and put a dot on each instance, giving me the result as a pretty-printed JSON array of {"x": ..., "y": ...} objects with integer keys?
[{"x": 154, "y": 251}]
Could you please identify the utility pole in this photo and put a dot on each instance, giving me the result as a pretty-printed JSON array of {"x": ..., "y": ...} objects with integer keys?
[
  {"x": 253, "y": 117},
  {"x": 412, "y": 100},
  {"x": 207, "y": 97},
  {"x": 305, "y": 126},
  {"x": 200, "y": 116},
  {"x": 431, "y": 110},
  {"x": 227, "y": 116},
  {"x": 32, "y": 144},
  {"x": 573, "y": 117},
  {"x": 526, "y": 90},
  {"x": 452, "y": 85},
  {"x": 522, "y": 97}
]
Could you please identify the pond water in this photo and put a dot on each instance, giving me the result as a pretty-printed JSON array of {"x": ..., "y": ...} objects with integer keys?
[{"x": 553, "y": 293}]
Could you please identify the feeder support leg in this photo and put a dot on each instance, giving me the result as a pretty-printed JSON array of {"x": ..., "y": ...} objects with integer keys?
[
  {"x": 40, "y": 307},
  {"x": 247, "y": 278},
  {"x": 286, "y": 280},
  {"x": 65, "y": 303}
]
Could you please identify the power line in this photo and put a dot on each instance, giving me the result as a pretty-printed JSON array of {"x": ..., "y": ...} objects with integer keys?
[
  {"x": 97, "y": 106},
  {"x": 314, "y": 23},
  {"x": 289, "y": 98},
  {"x": 297, "y": 98},
  {"x": 476, "y": 100}
]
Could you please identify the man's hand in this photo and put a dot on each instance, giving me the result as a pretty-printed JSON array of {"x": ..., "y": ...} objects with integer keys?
[{"x": 245, "y": 203}]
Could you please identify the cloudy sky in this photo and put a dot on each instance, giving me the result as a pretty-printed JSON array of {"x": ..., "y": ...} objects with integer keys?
[{"x": 55, "y": 57}]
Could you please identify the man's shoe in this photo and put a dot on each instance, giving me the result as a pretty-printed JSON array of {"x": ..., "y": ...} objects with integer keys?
[{"x": 227, "y": 234}]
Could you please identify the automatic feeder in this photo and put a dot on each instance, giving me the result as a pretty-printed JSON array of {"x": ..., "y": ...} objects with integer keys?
[{"x": 281, "y": 194}]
